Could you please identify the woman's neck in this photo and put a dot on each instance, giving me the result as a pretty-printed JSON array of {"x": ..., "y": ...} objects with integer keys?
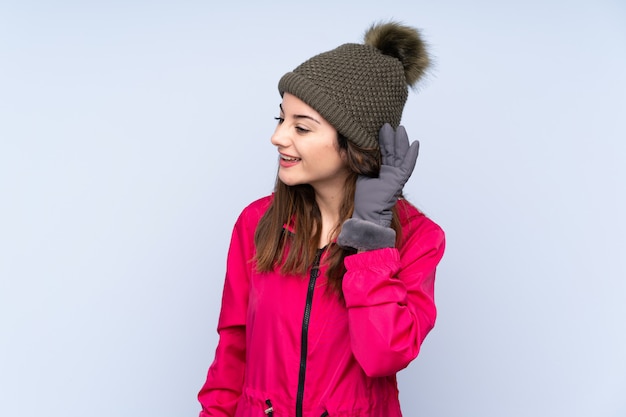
[{"x": 329, "y": 204}]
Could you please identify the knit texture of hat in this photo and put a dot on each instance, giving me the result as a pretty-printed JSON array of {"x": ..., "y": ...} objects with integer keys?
[{"x": 359, "y": 87}]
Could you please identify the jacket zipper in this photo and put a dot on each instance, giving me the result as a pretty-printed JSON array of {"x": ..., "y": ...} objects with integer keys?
[
  {"x": 315, "y": 272},
  {"x": 269, "y": 411}
]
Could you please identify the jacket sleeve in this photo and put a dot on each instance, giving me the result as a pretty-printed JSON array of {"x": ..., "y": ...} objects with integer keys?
[
  {"x": 222, "y": 389},
  {"x": 389, "y": 294}
]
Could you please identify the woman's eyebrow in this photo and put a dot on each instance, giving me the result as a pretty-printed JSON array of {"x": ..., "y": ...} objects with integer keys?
[{"x": 300, "y": 116}]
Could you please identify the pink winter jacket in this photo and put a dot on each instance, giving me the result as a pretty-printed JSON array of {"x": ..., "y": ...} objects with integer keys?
[{"x": 288, "y": 348}]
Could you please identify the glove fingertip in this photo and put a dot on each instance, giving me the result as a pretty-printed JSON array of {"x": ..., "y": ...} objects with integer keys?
[
  {"x": 411, "y": 157},
  {"x": 416, "y": 145},
  {"x": 386, "y": 139},
  {"x": 401, "y": 132}
]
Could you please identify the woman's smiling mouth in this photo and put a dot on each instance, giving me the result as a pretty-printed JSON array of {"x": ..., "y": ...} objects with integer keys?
[{"x": 288, "y": 158}]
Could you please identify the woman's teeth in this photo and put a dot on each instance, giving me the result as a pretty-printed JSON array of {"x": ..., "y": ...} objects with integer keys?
[{"x": 287, "y": 158}]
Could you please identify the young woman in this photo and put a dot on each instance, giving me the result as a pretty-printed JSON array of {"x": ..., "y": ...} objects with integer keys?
[{"x": 329, "y": 281}]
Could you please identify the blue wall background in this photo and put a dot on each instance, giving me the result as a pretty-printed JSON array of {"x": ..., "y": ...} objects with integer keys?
[{"x": 133, "y": 133}]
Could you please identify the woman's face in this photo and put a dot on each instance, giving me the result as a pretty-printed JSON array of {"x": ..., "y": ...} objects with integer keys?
[{"x": 307, "y": 147}]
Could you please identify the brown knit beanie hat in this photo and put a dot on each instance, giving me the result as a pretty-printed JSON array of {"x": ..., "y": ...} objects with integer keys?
[{"x": 359, "y": 87}]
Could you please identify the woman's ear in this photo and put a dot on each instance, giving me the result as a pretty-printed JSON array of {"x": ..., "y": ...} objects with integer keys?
[{"x": 343, "y": 153}]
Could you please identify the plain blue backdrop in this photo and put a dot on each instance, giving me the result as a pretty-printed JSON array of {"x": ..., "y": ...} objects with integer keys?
[{"x": 133, "y": 133}]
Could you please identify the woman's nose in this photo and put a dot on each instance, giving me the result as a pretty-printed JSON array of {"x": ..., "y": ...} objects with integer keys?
[{"x": 279, "y": 138}]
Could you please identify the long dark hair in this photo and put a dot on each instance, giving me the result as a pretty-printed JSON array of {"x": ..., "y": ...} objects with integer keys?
[{"x": 296, "y": 205}]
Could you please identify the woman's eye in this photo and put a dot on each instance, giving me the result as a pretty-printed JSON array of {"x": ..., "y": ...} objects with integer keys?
[
  {"x": 301, "y": 129},
  {"x": 280, "y": 120}
]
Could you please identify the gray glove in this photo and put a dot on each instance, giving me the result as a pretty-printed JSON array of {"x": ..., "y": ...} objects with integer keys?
[{"x": 369, "y": 228}]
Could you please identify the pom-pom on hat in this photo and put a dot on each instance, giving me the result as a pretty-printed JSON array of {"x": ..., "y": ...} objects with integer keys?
[{"x": 359, "y": 87}]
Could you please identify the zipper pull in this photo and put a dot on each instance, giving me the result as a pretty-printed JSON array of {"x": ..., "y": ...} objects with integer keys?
[
  {"x": 315, "y": 268},
  {"x": 269, "y": 411}
]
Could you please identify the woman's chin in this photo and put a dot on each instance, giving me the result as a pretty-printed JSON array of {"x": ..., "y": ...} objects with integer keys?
[{"x": 287, "y": 180}]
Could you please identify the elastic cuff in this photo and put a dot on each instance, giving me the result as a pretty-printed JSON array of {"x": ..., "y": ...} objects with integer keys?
[{"x": 363, "y": 235}]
